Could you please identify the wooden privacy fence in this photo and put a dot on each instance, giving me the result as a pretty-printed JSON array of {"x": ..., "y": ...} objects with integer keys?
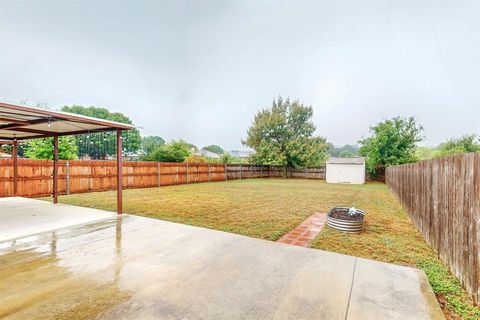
[
  {"x": 246, "y": 171},
  {"x": 442, "y": 197},
  {"x": 77, "y": 176}
]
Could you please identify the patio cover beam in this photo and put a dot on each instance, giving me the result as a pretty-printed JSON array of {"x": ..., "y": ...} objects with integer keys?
[
  {"x": 8, "y": 119},
  {"x": 41, "y": 135},
  {"x": 19, "y": 124},
  {"x": 28, "y": 130}
]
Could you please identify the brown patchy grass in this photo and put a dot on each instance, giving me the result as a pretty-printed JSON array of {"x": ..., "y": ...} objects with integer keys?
[
  {"x": 260, "y": 208},
  {"x": 269, "y": 208},
  {"x": 389, "y": 234}
]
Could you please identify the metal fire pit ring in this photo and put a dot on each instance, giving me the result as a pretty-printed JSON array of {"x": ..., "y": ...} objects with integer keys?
[{"x": 345, "y": 225}]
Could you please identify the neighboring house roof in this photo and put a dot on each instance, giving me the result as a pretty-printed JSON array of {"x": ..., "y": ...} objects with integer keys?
[
  {"x": 240, "y": 154},
  {"x": 356, "y": 160},
  {"x": 208, "y": 154}
]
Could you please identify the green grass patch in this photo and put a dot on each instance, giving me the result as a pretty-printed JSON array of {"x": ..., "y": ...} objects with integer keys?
[{"x": 449, "y": 290}]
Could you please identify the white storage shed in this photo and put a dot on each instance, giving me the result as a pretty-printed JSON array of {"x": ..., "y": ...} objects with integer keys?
[{"x": 346, "y": 170}]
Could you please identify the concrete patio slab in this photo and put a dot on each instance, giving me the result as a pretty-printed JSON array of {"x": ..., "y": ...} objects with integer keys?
[
  {"x": 388, "y": 291},
  {"x": 130, "y": 267},
  {"x": 20, "y": 217}
]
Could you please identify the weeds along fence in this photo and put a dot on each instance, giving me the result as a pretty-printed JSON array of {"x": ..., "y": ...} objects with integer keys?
[
  {"x": 442, "y": 197},
  {"x": 78, "y": 176}
]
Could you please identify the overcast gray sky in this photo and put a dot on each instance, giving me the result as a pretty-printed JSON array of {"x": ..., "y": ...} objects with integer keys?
[{"x": 200, "y": 70}]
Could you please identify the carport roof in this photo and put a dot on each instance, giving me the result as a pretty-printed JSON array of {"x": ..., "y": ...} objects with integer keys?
[{"x": 25, "y": 122}]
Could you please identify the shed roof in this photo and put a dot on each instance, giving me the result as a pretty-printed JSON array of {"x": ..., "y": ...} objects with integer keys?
[
  {"x": 25, "y": 122},
  {"x": 356, "y": 160}
]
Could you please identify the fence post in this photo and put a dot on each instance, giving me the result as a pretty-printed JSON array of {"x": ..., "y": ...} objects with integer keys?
[
  {"x": 67, "y": 177},
  {"x": 158, "y": 174},
  {"x": 241, "y": 171},
  {"x": 209, "y": 172},
  {"x": 261, "y": 171},
  {"x": 305, "y": 172},
  {"x": 176, "y": 176},
  {"x": 226, "y": 175},
  {"x": 187, "y": 172}
]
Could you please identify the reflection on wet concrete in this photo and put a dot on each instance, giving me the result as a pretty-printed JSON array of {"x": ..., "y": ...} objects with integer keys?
[
  {"x": 130, "y": 267},
  {"x": 35, "y": 285}
]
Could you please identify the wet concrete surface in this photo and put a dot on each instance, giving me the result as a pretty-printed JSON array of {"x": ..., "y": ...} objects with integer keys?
[
  {"x": 20, "y": 217},
  {"x": 130, "y": 267}
]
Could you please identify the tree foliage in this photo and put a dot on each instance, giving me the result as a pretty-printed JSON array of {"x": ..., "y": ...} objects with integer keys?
[
  {"x": 346, "y": 151},
  {"x": 175, "y": 151},
  {"x": 467, "y": 143},
  {"x": 150, "y": 143},
  {"x": 425, "y": 153},
  {"x": 227, "y": 158},
  {"x": 43, "y": 148},
  {"x": 99, "y": 146},
  {"x": 195, "y": 158},
  {"x": 392, "y": 142},
  {"x": 283, "y": 135},
  {"x": 214, "y": 148}
]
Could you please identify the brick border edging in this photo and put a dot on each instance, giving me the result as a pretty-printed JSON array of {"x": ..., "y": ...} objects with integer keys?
[{"x": 306, "y": 231}]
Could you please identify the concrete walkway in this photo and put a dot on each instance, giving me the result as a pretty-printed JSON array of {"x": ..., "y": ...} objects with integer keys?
[
  {"x": 306, "y": 231},
  {"x": 130, "y": 267}
]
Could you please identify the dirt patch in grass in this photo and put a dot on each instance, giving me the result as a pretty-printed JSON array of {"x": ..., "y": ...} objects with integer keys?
[{"x": 270, "y": 208}]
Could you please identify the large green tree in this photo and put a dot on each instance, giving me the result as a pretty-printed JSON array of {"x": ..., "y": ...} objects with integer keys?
[
  {"x": 392, "y": 142},
  {"x": 43, "y": 148},
  {"x": 284, "y": 135},
  {"x": 100, "y": 145},
  {"x": 467, "y": 143}
]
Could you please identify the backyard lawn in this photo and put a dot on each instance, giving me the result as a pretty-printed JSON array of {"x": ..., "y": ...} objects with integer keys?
[{"x": 269, "y": 208}]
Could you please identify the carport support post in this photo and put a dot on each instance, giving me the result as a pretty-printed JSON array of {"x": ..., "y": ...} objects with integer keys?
[
  {"x": 55, "y": 169},
  {"x": 15, "y": 167},
  {"x": 119, "y": 171},
  {"x": 67, "y": 177}
]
